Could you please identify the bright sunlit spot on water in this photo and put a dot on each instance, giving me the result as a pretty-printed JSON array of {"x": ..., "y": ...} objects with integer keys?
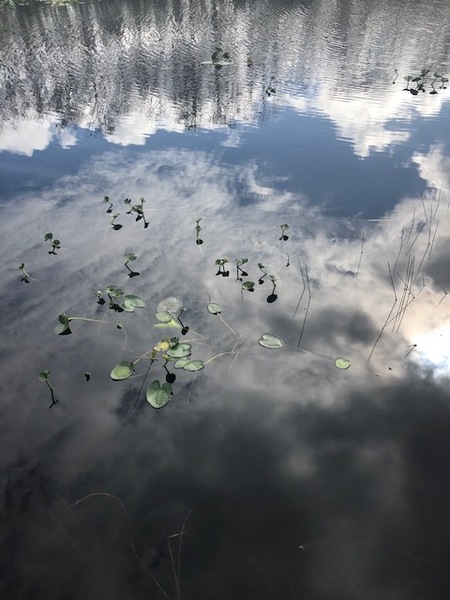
[{"x": 434, "y": 349}]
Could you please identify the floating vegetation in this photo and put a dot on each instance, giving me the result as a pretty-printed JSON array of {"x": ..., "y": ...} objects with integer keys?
[
  {"x": 418, "y": 83},
  {"x": 342, "y": 363},
  {"x": 271, "y": 341},
  {"x": 219, "y": 58},
  {"x": 198, "y": 229},
  {"x": 56, "y": 244},
  {"x": 283, "y": 236},
  {"x": 131, "y": 257},
  {"x": 44, "y": 376},
  {"x": 25, "y": 276}
]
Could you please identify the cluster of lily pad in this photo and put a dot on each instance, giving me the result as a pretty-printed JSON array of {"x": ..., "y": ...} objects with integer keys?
[{"x": 422, "y": 80}]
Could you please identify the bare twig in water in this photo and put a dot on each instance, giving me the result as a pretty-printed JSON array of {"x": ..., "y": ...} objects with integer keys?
[
  {"x": 307, "y": 306},
  {"x": 303, "y": 291},
  {"x": 155, "y": 581},
  {"x": 361, "y": 255},
  {"x": 387, "y": 318},
  {"x": 445, "y": 294},
  {"x": 409, "y": 351}
]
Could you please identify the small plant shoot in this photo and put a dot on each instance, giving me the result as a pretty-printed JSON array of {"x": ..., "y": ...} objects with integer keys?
[
  {"x": 283, "y": 236},
  {"x": 107, "y": 201},
  {"x": 221, "y": 262},
  {"x": 240, "y": 273},
  {"x": 114, "y": 225},
  {"x": 272, "y": 296},
  {"x": 131, "y": 257},
  {"x": 25, "y": 276},
  {"x": 44, "y": 376},
  {"x": 56, "y": 244},
  {"x": 198, "y": 229}
]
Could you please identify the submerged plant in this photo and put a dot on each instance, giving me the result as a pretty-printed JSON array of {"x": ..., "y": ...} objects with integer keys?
[
  {"x": 270, "y": 89},
  {"x": 198, "y": 239},
  {"x": 131, "y": 257},
  {"x": 138, "y": 209},
  {"x": 25, "y": 276},
  {"x": 44, "y": 376},
  {"x": 221, "y": 262},
  {"x": 240, "y": 272},
  {"x": 283, "y": 236},
  {"x": 56, "y": 244},
  {"x": 106, "y": 200},
  {"x": 114, "y": 225},
  {"x": 262, "y": 268},
  {"x": 272, "y": 296}
]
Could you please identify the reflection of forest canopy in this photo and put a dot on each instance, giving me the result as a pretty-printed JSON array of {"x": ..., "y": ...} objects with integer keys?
[{"x": 93, "y": 62}]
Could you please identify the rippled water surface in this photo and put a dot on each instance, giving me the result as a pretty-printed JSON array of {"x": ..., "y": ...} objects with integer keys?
[{"x": 293, "y": 161}]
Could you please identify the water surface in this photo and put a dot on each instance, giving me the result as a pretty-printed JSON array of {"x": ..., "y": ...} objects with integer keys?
[{"x": 300, "y": 479}]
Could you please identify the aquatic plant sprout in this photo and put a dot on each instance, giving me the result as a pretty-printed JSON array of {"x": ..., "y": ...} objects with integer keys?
[{"x": 271, "y": 341}]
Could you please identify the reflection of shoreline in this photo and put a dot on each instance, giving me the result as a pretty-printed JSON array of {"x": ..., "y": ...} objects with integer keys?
[{"x": 126, "y": 74}]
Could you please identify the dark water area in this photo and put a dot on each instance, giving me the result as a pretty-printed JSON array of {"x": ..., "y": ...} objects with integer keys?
[{"x": 318, "y": 185}]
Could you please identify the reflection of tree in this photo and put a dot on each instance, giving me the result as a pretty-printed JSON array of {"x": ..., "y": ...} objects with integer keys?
[{"x": 93, "y": 63}]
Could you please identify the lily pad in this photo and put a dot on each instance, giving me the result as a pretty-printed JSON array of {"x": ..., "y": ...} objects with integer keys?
[
  {"x": 182, "y": 362},
  {"x": 164, "y": 317},
  {"x": 179, "y": 351},
  {"x": 214, "y": 308},
  {"x": 271, "y": 341},
  {"x": 63, "y": 326},
  {"x": 171, "y": 305},
  {"x": 122, "y": 370},
  {"x": 171, "y": 324},
  {"x": 159, "y": 395},
  {"x": 194, "y": 365},
  {"x": 342, "y": 363},
  {"x": 162, "y": 346},
  {"x": 130, "y": 302}
]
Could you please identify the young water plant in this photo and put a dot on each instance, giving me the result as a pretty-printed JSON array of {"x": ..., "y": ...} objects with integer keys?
[
  {"x": 272, "y": 296},
  {"x": 63, "y": 325},
  {"x": 114, "y": 225},
  {"x": 56, "y": 244},
  {"x": 248, "y": 286},
  {"x": 131, "y": 257},
  {"x": 138, "y": 209},
  {"x": 44, "y": 376},
  {"x": 198, "y": 228},
  {"x": 283, "y": 236},
  {"x": 240, "y": 272},
  {"x": 25, "y": 276},
  {"x": 107, "y": 201},
  {"x": 262, "y": 268},
  {"x": 221, "y": 262},
  {"x": 270, "y": 89}
]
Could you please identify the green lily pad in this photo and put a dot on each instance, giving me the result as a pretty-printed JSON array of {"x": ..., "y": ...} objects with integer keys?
[
  {"x": 130, "y": 302},
  {"x": 171, "y": 305},
  {"x": 194, "y": 365},
  {"x": 63, "y": 325},
  {"x": 122, "y": 370},
  {"x": 270, "y": 341},
  {"x": 182, "y": 362},
  {"x": 342, "y": 363},
  {"x": 249, "y": 286},
  {"x": 214, "y": 308},
  {"x": 172, "y": 324},
  {"x": 159, "y": 395},
  {"x": 164, "y": 317},
  {"x": 179, "y": 351}
]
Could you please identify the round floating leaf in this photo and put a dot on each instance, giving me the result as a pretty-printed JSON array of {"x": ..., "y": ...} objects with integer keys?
[
  {"x": 179, "y": 351},
  {"x": 159, "y": 395},
  {"x": 131, "y": 256},
  {"x": 48, "y": 236},
  {"x": 44, "y": 375},
  {"x": 122, "y": 370},
  {"x": 87, "y": 376},
  {"x": 63, "y": 325},
  {"x": 342, "y": 363},
  {"x": 171, "y": 305},
  {"x": 214, "y": 308},
  {"x": 270, "y": 341},
  {"x": 249, "y": 286},
  {"x": 136, "y": 301},
  {"x": 182, "y": 362},
  {"x": 164, "y": 317},
  {"x": 172, "y": 324},
  {"x": 127, "y": 306},
  {"x": 194, "y": 365},
  {"x": 162, "y": 346}
]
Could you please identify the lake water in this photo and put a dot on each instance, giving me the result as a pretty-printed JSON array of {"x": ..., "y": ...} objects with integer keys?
[{"x": 277, "y": 138}]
